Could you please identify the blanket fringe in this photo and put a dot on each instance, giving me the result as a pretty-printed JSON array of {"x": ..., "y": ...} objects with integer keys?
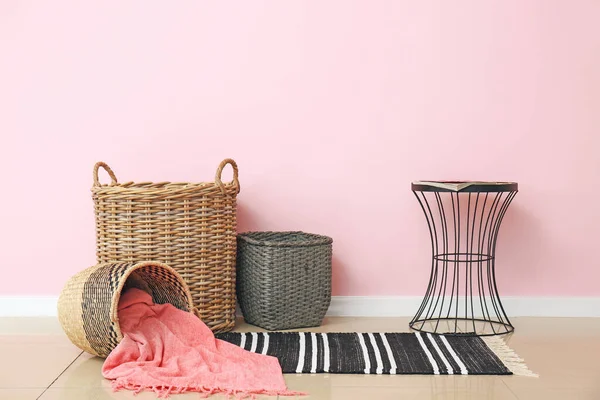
[
  {"x": 509, "y": 358},
  {"x": 164, "y": 392}
]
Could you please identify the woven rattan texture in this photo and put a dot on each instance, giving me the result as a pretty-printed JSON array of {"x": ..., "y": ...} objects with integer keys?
[
  {"x": 87, "y": 306},
  {"x": 101, "y": 330},
  {"x": 284, "y": 279},
  {"x": 188, "y": 226}
]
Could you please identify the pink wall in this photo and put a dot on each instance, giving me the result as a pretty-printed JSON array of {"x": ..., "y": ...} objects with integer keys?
[{"x": 331, "y": 109}]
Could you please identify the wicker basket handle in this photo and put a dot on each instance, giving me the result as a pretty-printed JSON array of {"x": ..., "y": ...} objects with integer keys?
[
  {"x": 235, "y": 181},
  {"x": 112, "y": 175}
]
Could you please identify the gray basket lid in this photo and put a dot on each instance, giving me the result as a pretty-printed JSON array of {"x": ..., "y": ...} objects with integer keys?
[{"x": 284, "y": 239}]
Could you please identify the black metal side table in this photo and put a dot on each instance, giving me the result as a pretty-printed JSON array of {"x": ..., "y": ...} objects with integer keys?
[{"x": 464, "y": 219}]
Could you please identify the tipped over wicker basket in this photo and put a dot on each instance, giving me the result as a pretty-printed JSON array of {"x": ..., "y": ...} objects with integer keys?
[
  {"x": 87, "y": 306},
  {"x": 188, "y": 226}
]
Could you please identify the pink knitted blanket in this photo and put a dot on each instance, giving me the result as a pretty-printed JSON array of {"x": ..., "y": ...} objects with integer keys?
[{"x": 169, "y": 351}]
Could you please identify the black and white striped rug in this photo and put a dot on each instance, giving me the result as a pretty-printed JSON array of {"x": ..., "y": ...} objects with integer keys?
[{"x": 382, "y": 353}]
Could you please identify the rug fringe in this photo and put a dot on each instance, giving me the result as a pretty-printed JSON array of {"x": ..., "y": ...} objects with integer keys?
[{"x": 509, "y": 358}]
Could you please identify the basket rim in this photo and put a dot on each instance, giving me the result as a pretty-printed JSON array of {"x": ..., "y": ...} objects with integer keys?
[
  {"x": 148, "y": 186},
  {"x": 114, "y": 307},
  {"x": 165, "y": 187},
  {"x": 312, "y": 239}
]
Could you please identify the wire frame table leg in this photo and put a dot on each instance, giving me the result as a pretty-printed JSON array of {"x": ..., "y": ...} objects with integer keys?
[{"x": 462, "y": 295}]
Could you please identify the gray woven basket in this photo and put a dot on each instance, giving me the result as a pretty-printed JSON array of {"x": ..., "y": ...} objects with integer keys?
[{"x": 284, "y": 278}]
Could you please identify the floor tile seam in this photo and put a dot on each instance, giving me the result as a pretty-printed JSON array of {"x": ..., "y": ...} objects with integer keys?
[
  {"x": 59, "y": 375},
  {"x": 502, "y": 379}
]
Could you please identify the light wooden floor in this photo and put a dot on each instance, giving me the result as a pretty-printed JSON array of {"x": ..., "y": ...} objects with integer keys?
[{"x": 39, "y": 362}]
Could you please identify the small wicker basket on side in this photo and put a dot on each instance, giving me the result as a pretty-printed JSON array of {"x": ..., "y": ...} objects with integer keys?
[
  {"x": 284, "y": 279},
  {"x": 188, "y": 226},
  {"x": 87, "y": 306}
]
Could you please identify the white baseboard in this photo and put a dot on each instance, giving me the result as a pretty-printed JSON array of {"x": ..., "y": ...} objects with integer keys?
[
  {"x": 515, "y": 306},
  {"x": 360, "y": 306},
  {"x": 28, "y": 306}
]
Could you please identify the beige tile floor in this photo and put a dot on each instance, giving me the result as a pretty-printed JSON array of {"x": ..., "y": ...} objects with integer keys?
[{"x": 38, "y": 362}]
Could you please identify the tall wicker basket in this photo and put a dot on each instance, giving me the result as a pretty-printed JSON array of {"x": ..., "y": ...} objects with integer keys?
[{"x": 189, "y": 226}]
